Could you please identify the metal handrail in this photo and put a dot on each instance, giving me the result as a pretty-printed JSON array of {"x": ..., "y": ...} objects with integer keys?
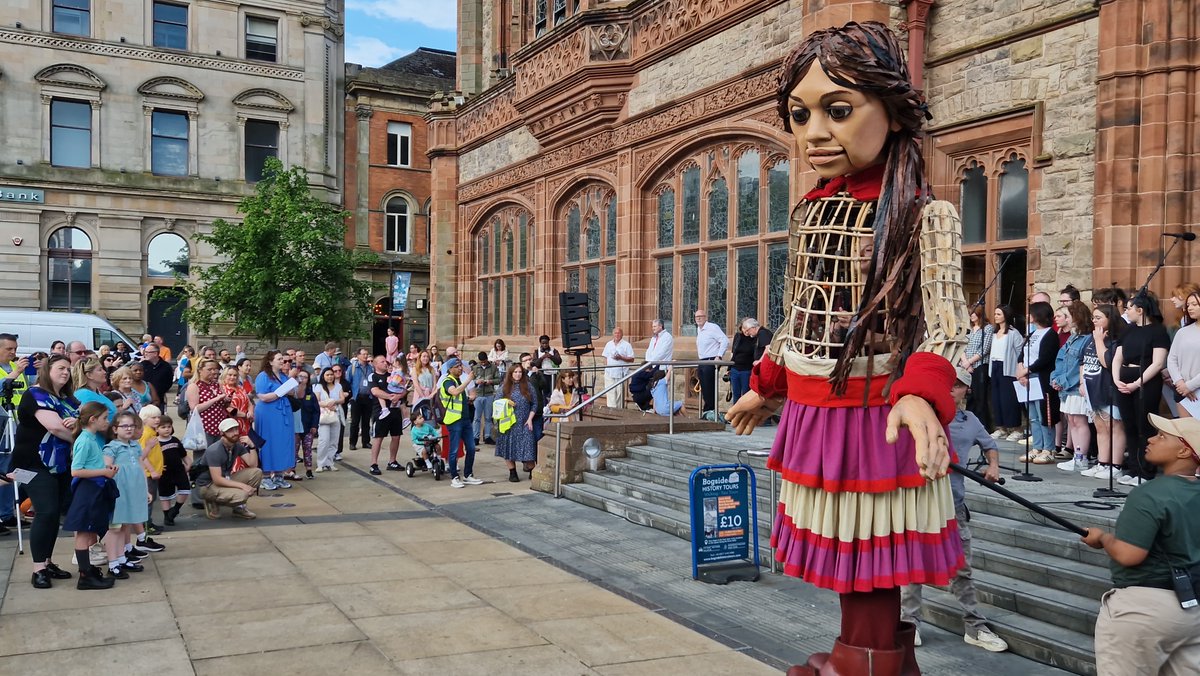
[{"x": 620, "y": 383}]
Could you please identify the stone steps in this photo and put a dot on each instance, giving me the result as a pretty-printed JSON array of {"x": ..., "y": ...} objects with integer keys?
[{"x": 1038, "y": 585}]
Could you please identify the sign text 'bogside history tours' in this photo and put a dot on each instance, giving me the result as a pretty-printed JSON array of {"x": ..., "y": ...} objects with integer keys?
[{"x": 724, "y": 522}]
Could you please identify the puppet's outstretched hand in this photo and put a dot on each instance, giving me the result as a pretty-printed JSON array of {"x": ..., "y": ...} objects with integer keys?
[
  {"x": 933, "y": 449},
  {"x": 750, "y": 410}
]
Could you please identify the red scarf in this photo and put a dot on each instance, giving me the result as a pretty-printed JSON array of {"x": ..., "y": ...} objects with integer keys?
[{"x": 863, "y": 185}]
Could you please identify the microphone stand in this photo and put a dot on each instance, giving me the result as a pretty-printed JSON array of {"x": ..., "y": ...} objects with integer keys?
[{"x": 1026, "y": 475}]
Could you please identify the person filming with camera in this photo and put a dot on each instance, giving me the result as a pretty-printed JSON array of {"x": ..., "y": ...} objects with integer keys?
[{"x": 1150, "y": 622}]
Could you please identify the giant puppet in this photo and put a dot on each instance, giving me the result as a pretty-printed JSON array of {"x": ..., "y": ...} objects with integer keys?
[{"x": 862, "y": 366}]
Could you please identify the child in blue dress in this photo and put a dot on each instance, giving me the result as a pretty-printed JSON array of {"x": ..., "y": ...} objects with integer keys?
[
  {"x": 131, "y": 511},
  {"x": 93, "y": 492}
]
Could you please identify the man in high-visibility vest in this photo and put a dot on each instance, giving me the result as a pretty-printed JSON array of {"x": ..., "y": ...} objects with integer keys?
[
  {"x": 453, "y": 393},
  {"x": 13, "y": 383}
]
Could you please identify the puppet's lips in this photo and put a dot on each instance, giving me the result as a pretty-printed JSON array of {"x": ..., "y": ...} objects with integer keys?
[{"x": 823, "y": 156}]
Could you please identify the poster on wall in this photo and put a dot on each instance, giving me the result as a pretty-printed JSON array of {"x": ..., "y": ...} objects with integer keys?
[{"x": 401, "y": 281}]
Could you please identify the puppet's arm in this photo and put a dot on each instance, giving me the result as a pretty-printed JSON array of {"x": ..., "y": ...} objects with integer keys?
[{"x": 946, "y": 317}]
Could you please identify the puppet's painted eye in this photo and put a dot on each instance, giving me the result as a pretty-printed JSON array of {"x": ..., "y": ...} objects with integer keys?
[
  {"x": 800, "y": 115},
  {"x": 839, "y": 113}
]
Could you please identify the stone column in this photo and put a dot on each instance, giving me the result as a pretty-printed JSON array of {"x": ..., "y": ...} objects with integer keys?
[
  {"x": 362, "y": 176},
  {"x": 444, "y": 250},
  {"x": 1146, "y": 162}
]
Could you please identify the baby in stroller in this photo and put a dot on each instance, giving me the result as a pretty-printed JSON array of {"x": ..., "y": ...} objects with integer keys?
[{"x": 425, "y": 439}]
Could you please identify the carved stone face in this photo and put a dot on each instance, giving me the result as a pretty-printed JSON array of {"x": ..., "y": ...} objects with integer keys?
[{"x": 839, "y": 131}]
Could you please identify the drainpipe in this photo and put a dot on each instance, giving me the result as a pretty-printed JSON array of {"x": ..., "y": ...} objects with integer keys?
[{"x": 918, "y": 19}]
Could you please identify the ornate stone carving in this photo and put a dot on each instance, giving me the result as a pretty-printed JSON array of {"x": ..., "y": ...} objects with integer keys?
[
  {"x": 171, "y": 88},
  {"x": 609, "y": 42},
  {"x": 70, "y": 75},
  {"x": 324, "y": 22},
  {"x": 170, "y": 224},
  {"x": 70, "y": 216},
  {"x": 769, "y": 116},
  {"x": 363, "y": 112},
  {"x": 158, "y": 56},
  {"x": 668, "y": 20},
  {"x": 704, "y": 105},
  {"x": 486, "y": 115},
  {"x": 552, "y": 65}
]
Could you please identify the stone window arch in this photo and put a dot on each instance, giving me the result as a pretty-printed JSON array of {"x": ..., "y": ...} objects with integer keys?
[
  {"x": 504, "y": 248},
  {"x": 719, "y": 214},
  {"x": 167, "y": 255},
  {"x": 171, "y": 105},
  {"x": 590, "y": 261},
  {"x": 397, "y": 225},
  {"x": 264, "y": 111},
  {"x": 69, "y": 269},
  {"x": 69, "y": 85}
]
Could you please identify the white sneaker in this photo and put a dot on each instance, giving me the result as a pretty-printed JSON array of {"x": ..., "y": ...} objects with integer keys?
[
  {"x": 1091, "y": 471},
  {"x": 334, "y": 468},
  {"x": 383, "y": 413},
  {"x": 987, "y": 640},
  {"x": 998, "y": 434},
  {"x": 917, "y": 637},
  {"x": 428, "y": 463},
  {"x": 473, "y": 481},
  {"x": 1073, "y": 465},
  {"x": 1129, "y": 480},
  {"x": 1016, "y": 436},
  {"x": 1105, "y": 472},
  {"x": 456, "y": 483}
]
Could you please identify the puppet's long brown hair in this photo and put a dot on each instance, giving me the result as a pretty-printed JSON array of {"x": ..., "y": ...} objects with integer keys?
[{"x": 867, "y": 57}]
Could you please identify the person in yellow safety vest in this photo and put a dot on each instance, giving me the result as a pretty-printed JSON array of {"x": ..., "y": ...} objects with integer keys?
[
  {"x": 504, "y": 414},
  {"x": 13, "y": 383},
  {"x": 12, "y": 372},
  {"x": 452, "y": 392}
]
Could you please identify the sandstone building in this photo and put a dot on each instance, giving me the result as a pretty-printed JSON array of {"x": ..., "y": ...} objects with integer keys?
[
  {"x": 129, "y": 126},
  {"x": 630, "y": 149},
  {"x": 388, "y": 180}
]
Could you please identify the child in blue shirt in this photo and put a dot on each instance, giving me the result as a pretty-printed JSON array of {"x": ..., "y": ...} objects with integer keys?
[
  {"x": 92, "y": 492},
  {"x": 422, "y": 432}
]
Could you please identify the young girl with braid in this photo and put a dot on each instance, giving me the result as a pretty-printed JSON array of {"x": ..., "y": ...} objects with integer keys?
[{"x": 862, "y": 366}]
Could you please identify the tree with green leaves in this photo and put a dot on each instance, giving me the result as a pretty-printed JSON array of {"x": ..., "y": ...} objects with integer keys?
[{"x": 284, "y": 270}]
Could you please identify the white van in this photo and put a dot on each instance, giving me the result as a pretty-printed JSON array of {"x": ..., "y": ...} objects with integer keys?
[{"x": 36, "y": 331}]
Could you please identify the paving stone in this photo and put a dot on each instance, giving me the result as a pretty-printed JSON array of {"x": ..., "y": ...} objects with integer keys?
[
  {"x": 249, "y": 631},
  {"x": 612, "y": 639},
  {"x": 543, "y": 660},
  {"x": 504, "y": 573},
  {"x": 726, "y": 662},
  {"x": 189, "y": 599},
  {"x": 261, "y": 565},
  {"x": 331, "y": 548},
  {"x": 446, "y": 632},
  {"x": 325, "y": 572},
  {"x": 22, "y": 597},
  {"x": 463, "y": 550},
  {"x": 358, "y": 658},
  {"x": 165, "y": 657},
  {"x": 243, "y": 541},
  {"x": 309, "y": 531},
  {"x": 438, "y": 529},
  {"x": 396, "y": 597},
  {"x": 106, "y": 625},
  {"x": 531, "y": 603}
]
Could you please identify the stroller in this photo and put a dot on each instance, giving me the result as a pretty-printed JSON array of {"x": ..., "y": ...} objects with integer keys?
[{"x": 417, "y": 464}]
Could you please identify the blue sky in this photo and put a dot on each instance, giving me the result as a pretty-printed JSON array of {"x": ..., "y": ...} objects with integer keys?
[{"x": 378, "y": 31}]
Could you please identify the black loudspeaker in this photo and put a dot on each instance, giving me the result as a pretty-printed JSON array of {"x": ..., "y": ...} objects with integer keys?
[{"x": 573, "y": 312}]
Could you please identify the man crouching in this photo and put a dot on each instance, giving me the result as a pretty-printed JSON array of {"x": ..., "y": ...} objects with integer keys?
[{"x": 219, "y": 483}]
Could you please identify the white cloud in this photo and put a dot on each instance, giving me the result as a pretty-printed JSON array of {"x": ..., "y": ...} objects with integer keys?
[
  {"x": 372, "y": 52},
  {"x": 439, "y": 14}
]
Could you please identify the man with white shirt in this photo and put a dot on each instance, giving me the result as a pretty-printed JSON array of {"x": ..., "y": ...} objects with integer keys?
[
  {"x": 618, "y": 352},
  {"x": 662, "y": 345},
  {"x": 711, "y": 343}
]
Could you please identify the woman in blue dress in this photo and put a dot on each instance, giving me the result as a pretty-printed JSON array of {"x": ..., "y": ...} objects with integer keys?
[
  {"x": 518, "y": 443},
  {"x": 273, "y": 421}
]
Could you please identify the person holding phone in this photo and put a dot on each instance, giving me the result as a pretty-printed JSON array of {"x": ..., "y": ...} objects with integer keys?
[{"x": 14, "y": 380}]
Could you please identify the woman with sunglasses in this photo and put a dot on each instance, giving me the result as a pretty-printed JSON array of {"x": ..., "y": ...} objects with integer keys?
[
  {"x": 90, "y": 381},
  {"x": 47, "y": 415}
]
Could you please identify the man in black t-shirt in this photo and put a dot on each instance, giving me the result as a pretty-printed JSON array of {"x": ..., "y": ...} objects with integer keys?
[
  {"x": 391, "y": 425},
  {"x": 218, "y": 484}
]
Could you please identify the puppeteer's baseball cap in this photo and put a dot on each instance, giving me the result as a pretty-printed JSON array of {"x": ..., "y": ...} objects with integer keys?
[
  {"x": 452, "y": 362},
  {"x": 1187, "y": 429},
  {"x": 227, "y": 424},
  {"x": 963, "y": 376}
]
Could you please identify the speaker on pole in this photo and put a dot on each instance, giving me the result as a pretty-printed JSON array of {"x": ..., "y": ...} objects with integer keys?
[{"x": 575, "y": 320}]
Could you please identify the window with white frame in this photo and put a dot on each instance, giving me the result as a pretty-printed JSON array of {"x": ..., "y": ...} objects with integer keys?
[
  {"x": 70, "y": 133},
  {"x": 170, "y": 25},
  {"x": 396, "y": 220},
  {"x": 262, "y": 39},
  {"x": 169, "y": 143},
  {"x": 399, "y": 144},
  {"x": 262, "y": 141},
  {"x": 72, "y": 17}
]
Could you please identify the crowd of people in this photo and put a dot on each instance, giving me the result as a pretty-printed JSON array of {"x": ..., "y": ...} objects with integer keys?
[{"x": 1076, "y": 382}]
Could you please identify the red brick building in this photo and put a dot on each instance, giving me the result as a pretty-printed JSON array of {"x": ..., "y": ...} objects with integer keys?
[
  {"x": 630, "y": 149},
  {"x": 388, "y": 178}
]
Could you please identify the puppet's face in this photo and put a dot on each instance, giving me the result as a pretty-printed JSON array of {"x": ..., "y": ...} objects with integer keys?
[{"x": 838, "y": 130}]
